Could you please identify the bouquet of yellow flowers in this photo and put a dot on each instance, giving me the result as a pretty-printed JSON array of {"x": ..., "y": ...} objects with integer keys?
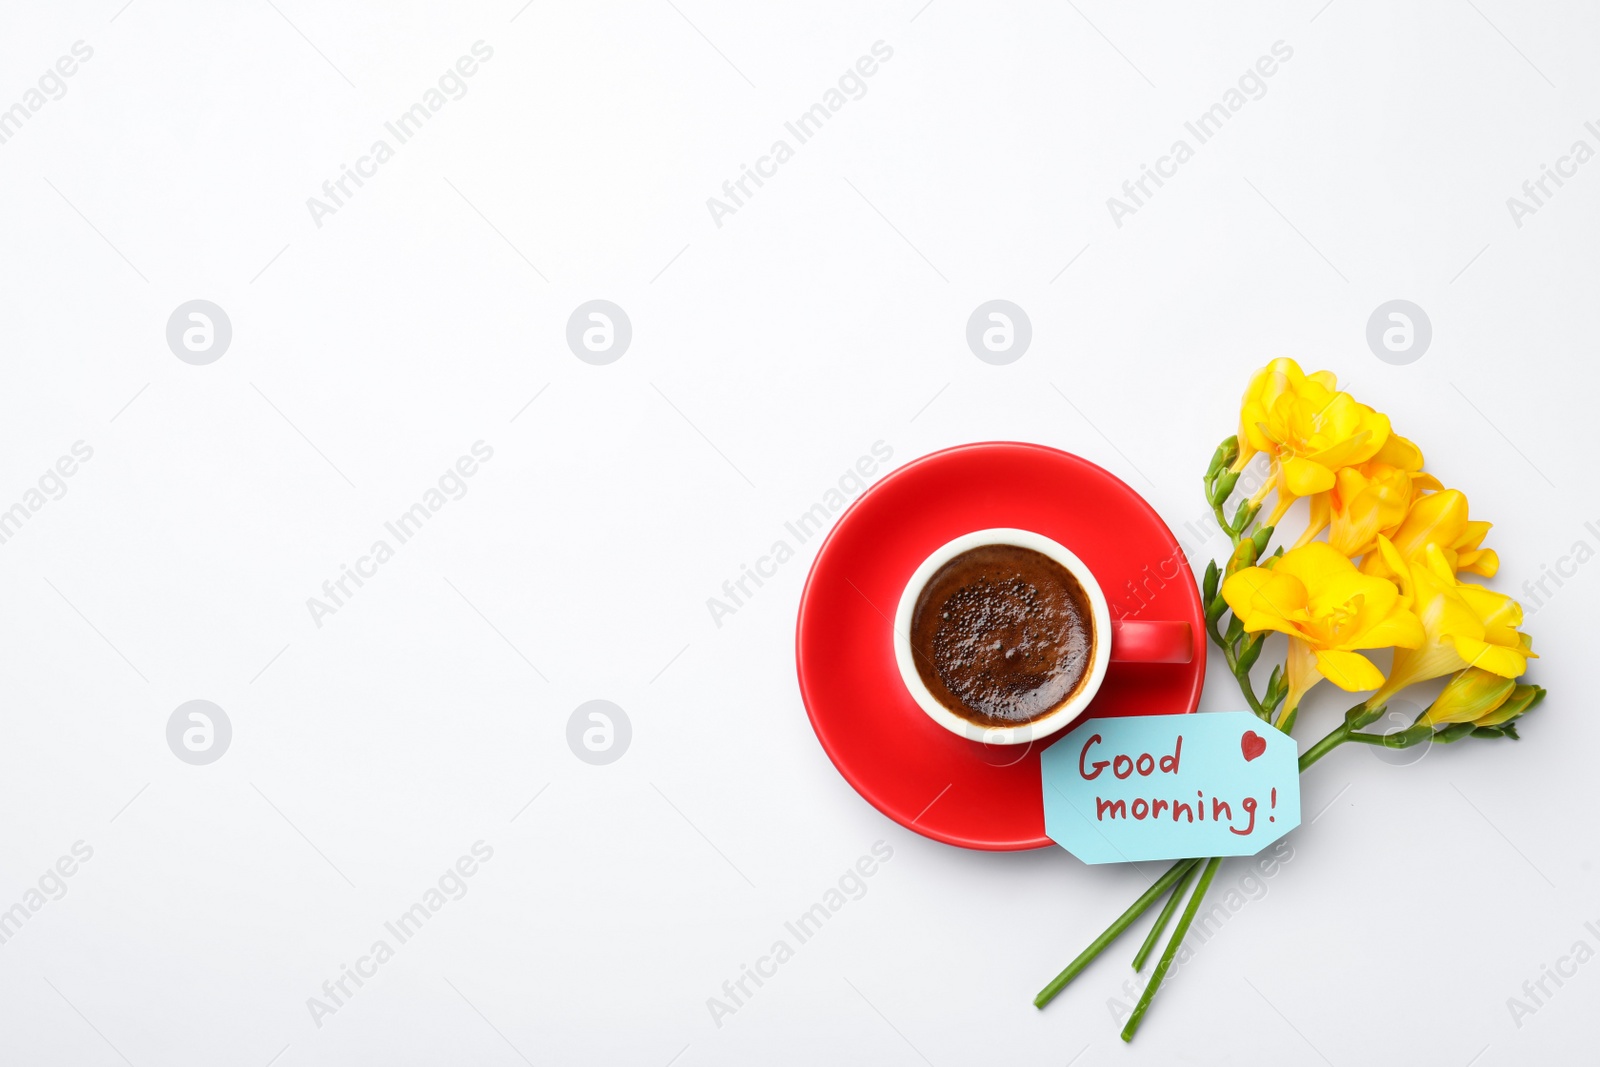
[{"x": 1388, "y": 575}]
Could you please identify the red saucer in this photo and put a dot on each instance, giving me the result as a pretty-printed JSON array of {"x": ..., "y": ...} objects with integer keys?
[{"x": 916, "y": 772}]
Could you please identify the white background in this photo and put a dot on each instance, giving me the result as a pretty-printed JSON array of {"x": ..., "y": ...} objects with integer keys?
[{"x": 768, "y": 354}]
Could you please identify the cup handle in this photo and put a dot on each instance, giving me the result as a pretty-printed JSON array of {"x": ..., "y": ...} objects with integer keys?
[{"x": 1151, "y": 641}]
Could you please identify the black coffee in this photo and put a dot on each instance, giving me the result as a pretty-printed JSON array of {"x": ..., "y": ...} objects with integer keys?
[{"x": 1002, "y": 635}]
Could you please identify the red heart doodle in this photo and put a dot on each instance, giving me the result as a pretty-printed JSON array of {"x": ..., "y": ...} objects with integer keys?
[{"x": 1252, "y": 745}]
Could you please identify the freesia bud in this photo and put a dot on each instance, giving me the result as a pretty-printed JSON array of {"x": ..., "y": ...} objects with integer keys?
[
  {"x": 1244, "y": 555},
  {"x": 1470, "y": 696},
  {"x": 1522, "y": 700},
  {"x": 1262, "y": 536}
]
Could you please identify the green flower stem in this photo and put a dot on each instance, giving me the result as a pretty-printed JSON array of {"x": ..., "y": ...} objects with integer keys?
[
  {"x": 1236, "y": 649},
  {"x": 1345, "y": 732},
  {"x": 1180, "y": 872},
  {"x": 1112, "y": 932},
  {"x": 1286, "y": 720},
  {"x": 1243, "y": 678},
  {"x": 1222, "y": 521},
  {"x": 1335, "y": 738},
  {"x": 1165, "y": 917},
  {"x": 1171, "y": 950},
  {"x": 1395, "y": 740}
]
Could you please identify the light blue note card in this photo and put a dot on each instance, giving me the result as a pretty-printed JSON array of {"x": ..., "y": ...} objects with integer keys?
[{"x": 1166, "y": 787}]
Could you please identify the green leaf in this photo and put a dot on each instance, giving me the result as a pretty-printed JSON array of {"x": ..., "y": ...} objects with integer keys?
[{"x": 1208, "y": 590}]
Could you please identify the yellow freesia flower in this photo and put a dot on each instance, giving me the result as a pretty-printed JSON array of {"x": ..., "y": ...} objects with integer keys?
[
  {"x": 1309, "y": 429},
  {"x": 1365, "y": 501},
  {"x": 1464, "y": 625},
  {"x": 1328, "y": 609},
  {"x": 1440, "y": 519}
]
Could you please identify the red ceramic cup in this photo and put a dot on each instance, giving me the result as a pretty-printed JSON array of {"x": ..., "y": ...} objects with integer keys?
[{"x": 1124, "y": 641}]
